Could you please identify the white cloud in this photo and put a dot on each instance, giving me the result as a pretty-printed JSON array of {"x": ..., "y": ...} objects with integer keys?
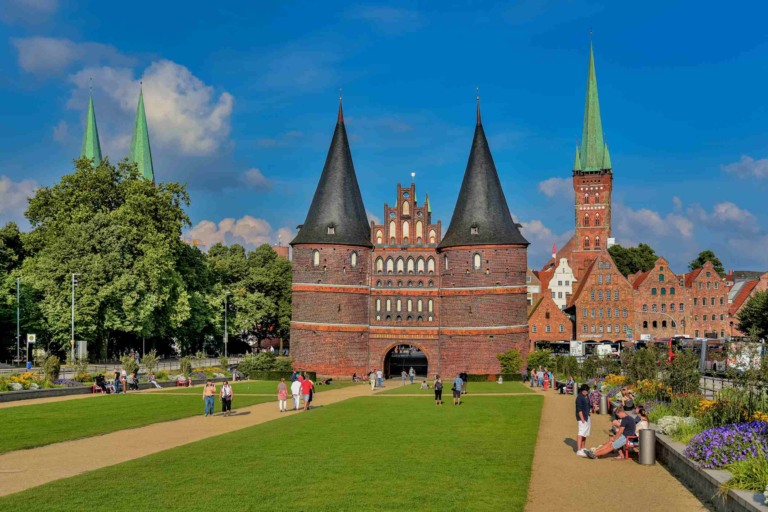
[
  {"x": 183, "y": 113},
  {"x": 644, "y": 225},
  {"x": 373, "y": 218},
  {"x": 247, "y": 231},
  {"x": 725, "y": 216},
  {"x": 51, "y": 56},
  {"x": 748, "y": 167},
  {"x": 541, "y": 239},
  {"x": 557, "y": 187},
  {"x": 13, "y": 198},
  {"x": 61, "y": 131},
  {"x": 255, "y": 179},
  {"x": 390, "y": 20},
  {"x": 28, "y": 11}
]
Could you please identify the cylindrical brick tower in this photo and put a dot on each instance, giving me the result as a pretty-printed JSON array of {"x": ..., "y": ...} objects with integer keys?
[
  {"x": 484, "y": 261},
  {"x": 331, "y": 270}
]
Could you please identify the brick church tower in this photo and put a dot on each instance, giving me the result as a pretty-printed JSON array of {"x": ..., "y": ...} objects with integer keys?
[
  {"x": 592, "y": 183},
  {"x": 482, "y": 272},
  {"x": 331, "y": 270}
]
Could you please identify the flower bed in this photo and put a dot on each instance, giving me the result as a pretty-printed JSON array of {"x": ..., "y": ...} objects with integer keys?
[{"x": 720, "y": 446}]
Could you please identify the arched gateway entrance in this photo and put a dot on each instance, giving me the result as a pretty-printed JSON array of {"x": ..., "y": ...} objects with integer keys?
[{"x": 405, "y": 357}]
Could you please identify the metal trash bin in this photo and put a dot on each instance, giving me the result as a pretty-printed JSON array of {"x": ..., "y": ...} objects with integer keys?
[
  {"x": 647, "y": 447},
  {"x": 603, "y": 404}
]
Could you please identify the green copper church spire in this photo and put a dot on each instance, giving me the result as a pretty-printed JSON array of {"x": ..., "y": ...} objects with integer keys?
[
  {"x": 91, "y": 147},
  {"x": 592, "y": 144},
  {"x": 140, "y": 150}
]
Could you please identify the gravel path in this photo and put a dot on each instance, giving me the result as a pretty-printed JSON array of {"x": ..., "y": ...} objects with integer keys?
[{"x": 562, "y": 481}]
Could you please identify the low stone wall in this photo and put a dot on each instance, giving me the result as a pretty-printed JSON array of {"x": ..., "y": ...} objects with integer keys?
[
  {"x": 705, "y": 483},
  {"x": 31, "y": 394}
]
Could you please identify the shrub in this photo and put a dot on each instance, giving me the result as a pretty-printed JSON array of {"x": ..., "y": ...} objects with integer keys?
[
  {"x": 721, "y": 446},
  {"x": 685, "y": 405},
  {"x": 656, "y": 410},
  {"x": 185, "y": 366},
  {"x": 538, "y": 358},
  {"x": 223, "y": 362},
  {"x": 51, "y": 367},
  {"x": 750, "y": 474},
  {"x": 642, "y": 364},
  {"x": 511, "y": 361},
  {"x": 590, "y": 368},
  {"x": 683, "y": 375},
  {"x": 129, "y": 364},
  {"x": 670, "y": 425},
  {"x": 687, "y": 430},
  {"x": 265, "y": 362},
  {"x": 161, "y": 375},
  {"x": 150, "y": 361}
]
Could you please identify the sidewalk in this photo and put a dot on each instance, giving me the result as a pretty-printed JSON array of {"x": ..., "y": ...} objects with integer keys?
[
  {"x": 562, "y": 481},
  {"x": 24, "y": 469}
]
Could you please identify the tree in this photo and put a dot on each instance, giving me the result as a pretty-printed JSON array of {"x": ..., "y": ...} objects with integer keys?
[
  {"x": 753, "y": 316},
  {"x": 510, "y": 361},
  {"x": 630, "y": 260},
  {"x": 707, "y": 256}
]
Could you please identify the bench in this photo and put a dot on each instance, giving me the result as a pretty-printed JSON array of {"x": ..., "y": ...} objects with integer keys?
[
  {"x": 629, "y": 447},
  {"x": 183, "y": 383},
  {"x": 96, "y": 389}
]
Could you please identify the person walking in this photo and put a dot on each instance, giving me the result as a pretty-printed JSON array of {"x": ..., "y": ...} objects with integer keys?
[
  {"x": 457, "y": 382},
  {"x": 412, "y": 374},
  {"x": 464, "y": 379},
  {"x": 438, "y": 390},
  {"x": 296, "y": 393},
  {"x": 209, "y": 392},
  {"x": 124, "y": 380},
  {"x": 380, "y": 378},
  {"x": 117, "y": 381},
  {"x": 226, "y": 399},
  {"x": 403, "y": 376},
  {"x": 540, "y": 377},
  {"x": 306, "y": 390},
  {"x": 582, "y": 417},
  {"x": 372, "y": 379},
  {"x": 282, "y": 394}
]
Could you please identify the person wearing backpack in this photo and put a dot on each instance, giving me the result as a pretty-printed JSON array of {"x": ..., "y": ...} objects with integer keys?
[{"x": 438, "y": 390}]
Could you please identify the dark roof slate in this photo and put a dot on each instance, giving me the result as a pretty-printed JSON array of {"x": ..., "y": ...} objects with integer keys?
[
  {"x": 337, "y": 202},
  {"x": 481, "y": 203}
]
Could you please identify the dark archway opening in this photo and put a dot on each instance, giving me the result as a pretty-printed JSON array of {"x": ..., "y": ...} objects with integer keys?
[{"x": 405, "y": 357}]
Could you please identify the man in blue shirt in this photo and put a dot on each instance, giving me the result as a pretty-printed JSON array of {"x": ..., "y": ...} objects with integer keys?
[
  {"x": 582, "y": 417},
  {"x": 457, "y": 382}
]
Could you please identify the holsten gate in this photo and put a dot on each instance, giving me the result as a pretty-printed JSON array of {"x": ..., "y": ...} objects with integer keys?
[{"x": 401, "y": 293}]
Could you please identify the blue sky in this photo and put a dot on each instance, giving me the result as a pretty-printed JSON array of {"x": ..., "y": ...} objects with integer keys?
[{"x": 241, "y": 103}]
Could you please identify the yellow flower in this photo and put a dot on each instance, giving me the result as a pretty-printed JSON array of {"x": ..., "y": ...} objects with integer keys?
[{"x": 760, "y": 416}]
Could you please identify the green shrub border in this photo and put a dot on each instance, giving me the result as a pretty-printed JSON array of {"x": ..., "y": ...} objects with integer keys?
[
  {"x": 493, "y": 377},
  {"x": 279, "y": 375}
]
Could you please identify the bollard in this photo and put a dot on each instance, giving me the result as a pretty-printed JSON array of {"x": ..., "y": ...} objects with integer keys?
[
  {"x": 603, "y": 404},
  {"x": 647, "y": 447}
]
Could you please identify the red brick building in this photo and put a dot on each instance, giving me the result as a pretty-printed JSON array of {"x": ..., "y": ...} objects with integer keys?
[
  {"x": 547, "y": 322},
  {"x": 603, "y": 303},
  {"x": 400, "y": 293},
  {"x": 708, "y": 297},
  {"x": 738, "y": 296},
  {"x": 661, "y": 302}
]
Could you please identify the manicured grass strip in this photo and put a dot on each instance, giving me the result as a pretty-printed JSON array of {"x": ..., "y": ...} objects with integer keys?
[
  {"x": 257, "y": 387},
  {"x": 361, "y": 454},
  {"x": 392, "y": 388},
  {"x": 39, "y": 425}
]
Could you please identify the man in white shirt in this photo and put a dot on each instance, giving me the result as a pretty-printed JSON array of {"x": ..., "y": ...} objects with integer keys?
[
  {"x": 296, "y": 392},
  {"x": 379, "y": 378}
]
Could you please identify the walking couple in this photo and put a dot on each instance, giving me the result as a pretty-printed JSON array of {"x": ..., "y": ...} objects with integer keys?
[{"x": 226, "y": 395}]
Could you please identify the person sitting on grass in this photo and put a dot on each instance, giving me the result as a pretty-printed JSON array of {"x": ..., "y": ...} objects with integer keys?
[
  {"x": 626, "y": 428},
  {"x": 424, "y": 385},
  {"x": 153, "y": 380},
  {"x": 501, "y": 380}
]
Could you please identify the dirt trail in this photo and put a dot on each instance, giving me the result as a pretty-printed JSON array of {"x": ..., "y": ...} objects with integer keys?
[
  {"x": 562, "y": 481},
  {"x": 24, "y": 469}
]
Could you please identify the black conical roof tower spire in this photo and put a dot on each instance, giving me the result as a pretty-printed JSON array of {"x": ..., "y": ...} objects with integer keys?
[
  {"x": 481, "y": 216},
  {"x": 337, "y": 214}
]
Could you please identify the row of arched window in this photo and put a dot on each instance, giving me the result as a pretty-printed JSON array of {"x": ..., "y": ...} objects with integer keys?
[
  {"x": 588, "y": 244},
  {"x": 409, "y": 284},
  {"x": 663, "y": 291},
  {"x": 406, "y": 233},
  {"x": 405, "y": 266},
  {"x": 597, "y": 220},
  {"x": 655, "y": 324},
  {"x": 404, "y": 305},
  {"x": 587, "y": 198},
  {"x": 353, "y": 259}
]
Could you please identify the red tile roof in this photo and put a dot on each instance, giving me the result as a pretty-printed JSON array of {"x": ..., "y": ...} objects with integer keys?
[
  {"x": 690, "y": 277},
  {"x": 742, "y": 296},
  {"x": 639, "y": 279}
]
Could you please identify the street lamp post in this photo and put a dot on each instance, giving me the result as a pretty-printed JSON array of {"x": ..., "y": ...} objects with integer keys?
[
  {"x": 72, "y": 341},
  {"x": 226, "y": 333},
  {"x": 18, "y": 328}
]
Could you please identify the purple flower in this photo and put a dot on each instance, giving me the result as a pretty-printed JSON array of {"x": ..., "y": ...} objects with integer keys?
[{"x": 721, "y": 446}]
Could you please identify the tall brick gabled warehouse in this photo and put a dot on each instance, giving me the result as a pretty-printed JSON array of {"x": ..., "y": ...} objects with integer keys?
[{"x": 399, "y": 295}]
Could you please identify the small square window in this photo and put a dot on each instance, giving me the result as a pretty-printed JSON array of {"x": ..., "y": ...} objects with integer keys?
[{"x": 474, "y": 230}]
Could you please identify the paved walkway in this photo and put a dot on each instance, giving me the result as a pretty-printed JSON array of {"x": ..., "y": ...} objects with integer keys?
[
  {"x": 562, "y": 481},
  {"x": 24, "y": 469}
]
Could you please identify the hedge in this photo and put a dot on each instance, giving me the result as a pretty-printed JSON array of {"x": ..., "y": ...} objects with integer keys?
[
  {"x": 279, "y": 375},
  {"x": 493, "y": 377}
]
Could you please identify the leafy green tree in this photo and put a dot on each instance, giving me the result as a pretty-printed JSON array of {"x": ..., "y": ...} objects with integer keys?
[
  {"x": 538, "y": 358},
  {"x": 510, "y": 361},
  {"x": 707, "y": 256},
  {"x": 753, "y": 316},
  {"x": 630, "y": 260}
]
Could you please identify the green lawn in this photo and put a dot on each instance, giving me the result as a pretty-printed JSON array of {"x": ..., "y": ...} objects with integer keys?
[
  {"x": 393, "y": 388},
  {"x": 257, "y": 387},
  {"x": 29, "y": 426},
  {"x": 358, "y": 455}
]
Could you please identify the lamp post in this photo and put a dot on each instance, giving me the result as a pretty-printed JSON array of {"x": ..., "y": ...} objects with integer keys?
[
  {"x": 18, "y": 328},
  {"x": 226, "y": 333},
  {"x": 72, "y": 341}
]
